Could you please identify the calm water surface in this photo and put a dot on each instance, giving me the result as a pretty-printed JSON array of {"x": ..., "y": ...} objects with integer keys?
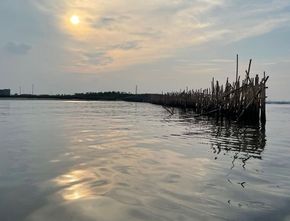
[{"x": 107, "y": 161}]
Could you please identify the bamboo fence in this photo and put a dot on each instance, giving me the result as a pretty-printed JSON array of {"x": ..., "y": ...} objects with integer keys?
[{"x": 239, "y": 100}]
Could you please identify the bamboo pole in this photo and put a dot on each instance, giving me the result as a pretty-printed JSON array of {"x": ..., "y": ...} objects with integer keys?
[
  {"x": 263, "y": 101},
  {"x": 237, "y": 68}
]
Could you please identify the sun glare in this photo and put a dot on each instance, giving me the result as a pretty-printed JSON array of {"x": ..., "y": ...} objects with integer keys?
[{"x": 75, "y": 20}]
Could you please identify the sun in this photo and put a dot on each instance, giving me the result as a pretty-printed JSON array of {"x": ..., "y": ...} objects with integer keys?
[{"x": 75, "y": 20}]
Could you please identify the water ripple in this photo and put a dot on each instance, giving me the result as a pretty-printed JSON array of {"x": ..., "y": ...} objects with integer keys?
[{"x": 122, "y": 161}]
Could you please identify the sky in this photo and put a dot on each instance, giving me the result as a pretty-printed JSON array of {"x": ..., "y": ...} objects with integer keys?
[{"x": 159, "y": 45}]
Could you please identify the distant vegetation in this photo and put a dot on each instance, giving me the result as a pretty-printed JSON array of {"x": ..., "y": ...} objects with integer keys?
[
  {"x": 105, "y": 96},
  {"x": 109, "y": 96},
  {"x": 278, "y": 102}
]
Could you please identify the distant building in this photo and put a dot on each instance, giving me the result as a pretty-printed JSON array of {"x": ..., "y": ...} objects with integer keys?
[{"x": 4, "y": 92}]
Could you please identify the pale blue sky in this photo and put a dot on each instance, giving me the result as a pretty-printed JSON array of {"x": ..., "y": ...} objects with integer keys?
[{"x": 161, "y": 45}]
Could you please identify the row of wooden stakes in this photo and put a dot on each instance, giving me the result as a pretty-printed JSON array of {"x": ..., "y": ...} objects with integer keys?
[{"x": 241, "y": 100}]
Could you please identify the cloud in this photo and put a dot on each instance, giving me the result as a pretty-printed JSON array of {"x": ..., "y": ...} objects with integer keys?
[
  {"x": 97, "y": 58},
  {"x": 17, "y": 48},
  {"x": 106, "y": 21},
  {"x": 130, "y": 32},
  {"x": 128, "y": 45}
]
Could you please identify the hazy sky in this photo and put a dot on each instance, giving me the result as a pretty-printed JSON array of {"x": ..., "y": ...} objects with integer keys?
[{"x": 160, "y": 45}]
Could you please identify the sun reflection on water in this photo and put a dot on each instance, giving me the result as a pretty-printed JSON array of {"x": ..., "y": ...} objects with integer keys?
[
  {"x": 82, "y": 184},
  {"x": 143, "y": 166}
]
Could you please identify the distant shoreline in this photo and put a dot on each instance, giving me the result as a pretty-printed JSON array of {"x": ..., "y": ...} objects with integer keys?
[
  {"x": 99, "y": 96},
  {"x": 278, "y": 102}
]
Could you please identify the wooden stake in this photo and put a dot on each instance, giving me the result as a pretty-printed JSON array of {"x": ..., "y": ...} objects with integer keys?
[{"x": 237, "y": 68}]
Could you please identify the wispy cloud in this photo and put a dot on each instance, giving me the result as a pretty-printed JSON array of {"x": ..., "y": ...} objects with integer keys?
[
  {"x": 129, "y": 32},
  {"x": 17, "y": 48},
  {"x": 97, "y": 58}
]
